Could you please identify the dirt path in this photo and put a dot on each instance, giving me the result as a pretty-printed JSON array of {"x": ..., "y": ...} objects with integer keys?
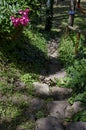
[{"x": 55, "y": 69}]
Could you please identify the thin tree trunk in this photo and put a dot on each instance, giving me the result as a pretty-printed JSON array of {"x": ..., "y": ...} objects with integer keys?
[{"x": 49, "y": 14}]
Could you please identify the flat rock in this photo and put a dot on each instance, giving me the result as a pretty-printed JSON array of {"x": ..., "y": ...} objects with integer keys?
[
  {"x": 57, "y": 109},
  {"x": 41, "y": 89},
  {"x": 48, "y": 123},
  {"x": 60, "y": 93},
  {"x": 76, "y": 126}
]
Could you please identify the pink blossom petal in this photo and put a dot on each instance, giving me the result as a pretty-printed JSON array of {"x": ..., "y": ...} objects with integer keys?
[
  {"x": 25, "y": 14},
  {"x": 12, "y": 17},
  {"x": 21, "y": 11},
  {"x": 27, "y": 10}
]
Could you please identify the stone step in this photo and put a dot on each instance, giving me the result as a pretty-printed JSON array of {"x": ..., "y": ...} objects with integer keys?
[
  {"x": 62, "y": 109},
  {"x": 76, "y": 126},
  {"x": 51, "y": 123},
  {"x": 43, "y": 90},
  {"x": 60, "y": 93},
  {"x": 48, "y": 123},
  {"x": 57, "y": 109}
]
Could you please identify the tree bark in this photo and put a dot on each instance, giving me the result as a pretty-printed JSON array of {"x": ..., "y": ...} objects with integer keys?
[{"x": 49, "y": 14}]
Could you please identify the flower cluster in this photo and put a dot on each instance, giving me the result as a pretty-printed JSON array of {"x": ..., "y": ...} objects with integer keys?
[{"x": 23, "y": 20}]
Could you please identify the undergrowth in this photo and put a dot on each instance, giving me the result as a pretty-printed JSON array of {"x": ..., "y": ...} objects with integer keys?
[
  {"x": 75, "y": 65},
  {"x": 21, "y": 61}
]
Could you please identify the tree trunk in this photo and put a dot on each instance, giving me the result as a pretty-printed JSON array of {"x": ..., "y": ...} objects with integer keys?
[{"x": 49, "y": 14}]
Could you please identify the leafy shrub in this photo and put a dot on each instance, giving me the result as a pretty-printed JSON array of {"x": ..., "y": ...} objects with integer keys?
[
  {"x": 80, "y": 116},
  {"x": 76, "y": 70},
  {"x": 7, "y": 9},
  {"x": 67, "y": 51},
  {"x": 6, "y": 88},
  {"x": 28, "y": 78},
  {"x": 81, "y": 97},
  {"x": 76, "y": 65},
  {"x": 77, "y": 75},
  {"x": 10, "y": 8}
]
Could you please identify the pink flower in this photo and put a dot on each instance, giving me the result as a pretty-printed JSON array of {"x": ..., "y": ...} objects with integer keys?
[
  {"x": 15, "y": 25},
  {"x": 12, "y": 17},
  {"x": 16, "y": 22},
  {"x": 27, "y": 10},
  {"x": 23, "y": 20},
  {"x": 25, "y": 13},
  {"x": 21, "y": 11}
]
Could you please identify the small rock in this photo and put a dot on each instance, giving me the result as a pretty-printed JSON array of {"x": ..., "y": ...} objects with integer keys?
[
  {"x": 55, "y": 54},
  {"x": 41, "y": 78},
  {"x": 48, "y": 123},
  {"x": 76, "y": 126},
  {"x": 60, "y": 93},
  {"x": 41, "y": 89}
]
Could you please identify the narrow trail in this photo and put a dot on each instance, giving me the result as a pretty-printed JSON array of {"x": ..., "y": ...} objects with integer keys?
[
  {"x": 55, "y": 111},
  {"x": 54, "y": 67},
  {"x": 58, "y": 110}
]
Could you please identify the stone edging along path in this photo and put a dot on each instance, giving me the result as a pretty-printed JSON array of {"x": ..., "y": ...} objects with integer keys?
[{"x": 59, "y": 109}]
